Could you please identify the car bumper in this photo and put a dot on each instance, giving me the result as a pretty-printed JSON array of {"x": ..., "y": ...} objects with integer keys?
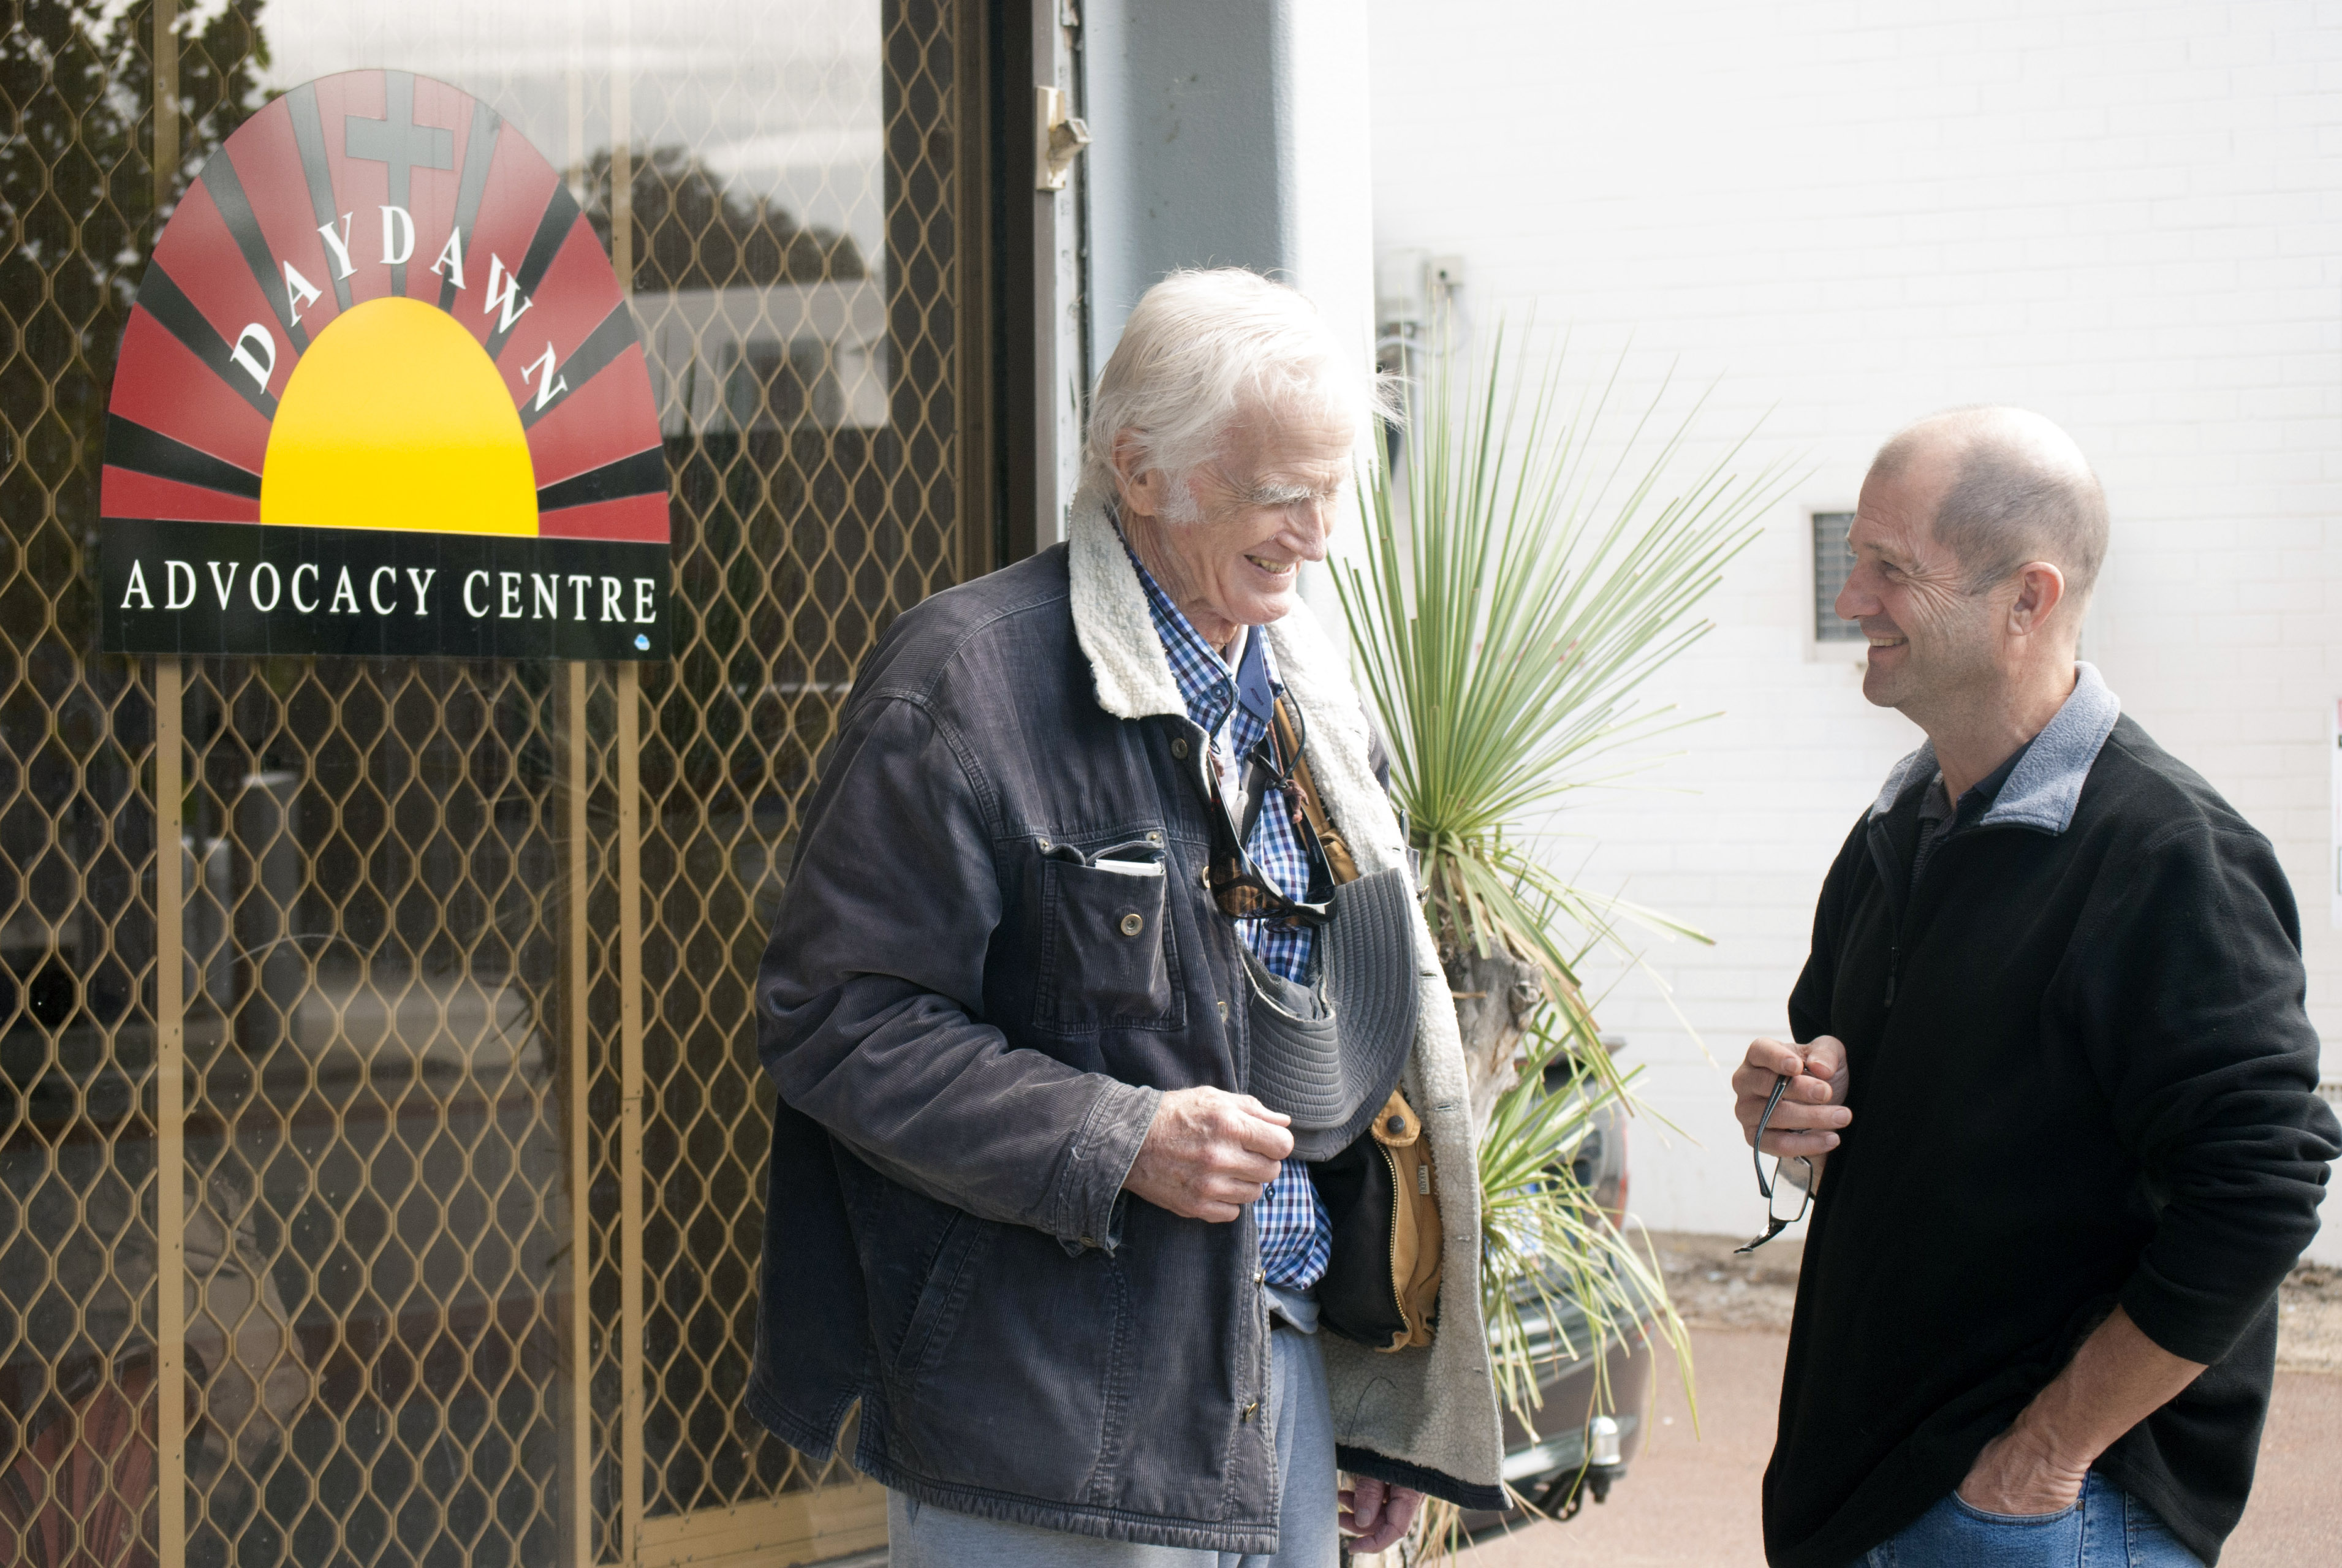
[{"x": 1590, "y": 1426}]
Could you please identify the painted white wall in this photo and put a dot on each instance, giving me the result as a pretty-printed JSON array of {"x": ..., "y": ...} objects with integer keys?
[{"x": 1850, "y": 214}]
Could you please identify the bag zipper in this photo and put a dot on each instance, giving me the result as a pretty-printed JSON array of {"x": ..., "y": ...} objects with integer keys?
[{"x": 1400, "y": 1194}]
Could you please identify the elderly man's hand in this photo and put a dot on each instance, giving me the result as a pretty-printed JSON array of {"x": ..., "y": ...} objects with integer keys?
[
  {"x": 1813, "y": 1107},
  {"x": 1376, "y": 1514},
  {"x": 1208, "y": 1154}
]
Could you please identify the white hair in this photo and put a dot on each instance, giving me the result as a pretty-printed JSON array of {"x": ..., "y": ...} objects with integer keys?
[{"x": 1203, "y": 348}]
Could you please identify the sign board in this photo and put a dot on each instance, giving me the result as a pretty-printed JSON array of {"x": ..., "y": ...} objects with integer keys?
[{"x": 381, "y": 396}]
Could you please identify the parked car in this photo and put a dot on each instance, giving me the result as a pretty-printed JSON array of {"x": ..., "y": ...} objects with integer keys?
[{"x": 1590, "y": 1427}]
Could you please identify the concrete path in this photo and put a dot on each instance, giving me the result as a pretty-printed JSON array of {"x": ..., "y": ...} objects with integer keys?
[
  {"x": 1693, "y": 1504},
  {"x": 2295, "y": 1519}
]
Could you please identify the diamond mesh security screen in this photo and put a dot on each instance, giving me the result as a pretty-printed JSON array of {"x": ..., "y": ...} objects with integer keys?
[
  {"x": 78, "y": 825},
  {"x": 450, "y": 1258}
]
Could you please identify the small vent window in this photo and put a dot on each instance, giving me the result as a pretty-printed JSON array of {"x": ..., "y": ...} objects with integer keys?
[{"x": 1832, "y": 562}]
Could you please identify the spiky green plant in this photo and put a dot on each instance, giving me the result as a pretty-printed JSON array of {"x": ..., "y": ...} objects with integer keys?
[
  {"x": 1547, "y": 555},
  {"x": 1509, "y": 609}
]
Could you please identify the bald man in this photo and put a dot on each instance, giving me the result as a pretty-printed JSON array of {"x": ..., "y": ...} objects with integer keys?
[{"x": 2050, "y": 1068}]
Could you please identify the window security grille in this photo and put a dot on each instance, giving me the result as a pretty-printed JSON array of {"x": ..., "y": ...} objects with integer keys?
[
  {"x": 1832, "y": 562},
  {"x": 467, "y": 1186}
]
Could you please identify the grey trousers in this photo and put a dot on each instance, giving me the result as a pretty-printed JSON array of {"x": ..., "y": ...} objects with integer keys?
[{"x": 922, "y": 1536}]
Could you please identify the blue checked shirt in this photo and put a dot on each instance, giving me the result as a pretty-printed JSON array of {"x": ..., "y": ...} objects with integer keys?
[{"x": 1296, "y": 1237}]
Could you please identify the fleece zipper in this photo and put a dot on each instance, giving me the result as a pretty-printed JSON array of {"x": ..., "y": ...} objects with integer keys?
[{"x": 1901, "y": 896}]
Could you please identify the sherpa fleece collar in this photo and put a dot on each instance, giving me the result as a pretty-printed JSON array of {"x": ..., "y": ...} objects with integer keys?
[
  {"x": 2046, "y": 784},
  {"x": 1133, "y": 679},
  {"x": 1111, "y": 618}
]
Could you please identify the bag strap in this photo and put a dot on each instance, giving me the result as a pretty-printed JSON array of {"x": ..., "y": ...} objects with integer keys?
[{"x": 1340, "y": 864}]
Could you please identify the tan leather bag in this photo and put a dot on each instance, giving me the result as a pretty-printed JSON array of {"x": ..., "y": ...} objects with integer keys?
[{"x": 1414, "y": 1235}]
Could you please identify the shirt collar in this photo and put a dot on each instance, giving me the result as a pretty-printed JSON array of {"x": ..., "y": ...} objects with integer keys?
[
  {"x": 1976, "y": 799},
  {"x": 2044, "y": 785}
]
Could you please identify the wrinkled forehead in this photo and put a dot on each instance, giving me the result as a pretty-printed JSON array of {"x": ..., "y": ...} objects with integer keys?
[
  {"x": 1296, "y": 451},
  {"x": 1897, "y": 511}
]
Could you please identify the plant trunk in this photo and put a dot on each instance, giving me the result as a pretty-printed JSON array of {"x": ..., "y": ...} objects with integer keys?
[{"x": 1495, "y": 994}]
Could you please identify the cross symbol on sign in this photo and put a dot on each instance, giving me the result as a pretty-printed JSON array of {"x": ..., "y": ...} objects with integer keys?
[{"x": 396, "y": 139}]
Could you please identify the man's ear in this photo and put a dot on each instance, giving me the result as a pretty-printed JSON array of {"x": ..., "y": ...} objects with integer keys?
[
  {"x": 1138, "y": 482},
  {"x": 2040, "y": 589}
]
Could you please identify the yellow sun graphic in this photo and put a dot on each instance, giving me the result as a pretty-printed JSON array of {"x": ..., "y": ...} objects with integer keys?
[{"x": 397, "y": 418}]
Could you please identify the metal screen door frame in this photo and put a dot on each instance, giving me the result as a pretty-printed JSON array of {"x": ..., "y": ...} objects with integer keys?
[{"x": 806, "y": 1525}]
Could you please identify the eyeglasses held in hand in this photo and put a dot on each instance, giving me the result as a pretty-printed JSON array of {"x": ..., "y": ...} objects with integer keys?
[{"x": 1773, "y": 1187}]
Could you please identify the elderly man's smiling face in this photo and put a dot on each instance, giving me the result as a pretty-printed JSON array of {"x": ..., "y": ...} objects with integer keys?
[{"x": 1263, "y": 505}]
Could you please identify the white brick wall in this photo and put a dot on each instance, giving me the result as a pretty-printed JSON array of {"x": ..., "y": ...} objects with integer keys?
[{"x": 2126, "y": 217}]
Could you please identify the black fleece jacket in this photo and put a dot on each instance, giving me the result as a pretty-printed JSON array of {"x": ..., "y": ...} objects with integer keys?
[{"x": 2089, "y": 1082}]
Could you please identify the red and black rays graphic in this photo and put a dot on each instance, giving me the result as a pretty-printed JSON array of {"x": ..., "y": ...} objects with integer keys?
[{"x": 356, "y": 187}]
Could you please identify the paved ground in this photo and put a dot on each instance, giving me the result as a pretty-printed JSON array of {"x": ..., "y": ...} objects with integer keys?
[
  {"x": 1689, "y": 1502},
  {"x": 2309, "y": 1320},
  {"x": 1713, "y": 1289},
  {"x": 1692, "y": 1501}
]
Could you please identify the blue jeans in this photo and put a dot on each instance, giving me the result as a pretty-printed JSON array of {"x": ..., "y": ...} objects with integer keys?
[{"x": 2106, "y": 1527}]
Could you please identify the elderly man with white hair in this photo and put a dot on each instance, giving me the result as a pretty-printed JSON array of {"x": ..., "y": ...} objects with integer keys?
[{"x": 1112, "y": 1046}]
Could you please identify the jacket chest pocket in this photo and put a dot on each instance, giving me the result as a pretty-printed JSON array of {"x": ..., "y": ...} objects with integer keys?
[{"x": 1106, "y": 958}]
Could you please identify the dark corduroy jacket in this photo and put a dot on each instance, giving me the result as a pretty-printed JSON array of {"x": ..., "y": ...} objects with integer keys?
[
  {"x": 2081, "y": 1075},
  {"x": 971, "y": 1029}
]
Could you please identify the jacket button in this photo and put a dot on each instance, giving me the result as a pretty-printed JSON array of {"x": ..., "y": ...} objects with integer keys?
[
  {"x": 1397, "y": 1124},
  {"x": 1132, "y": 925},
  {"x": 1260, "y": 1276},
  {"x": 1155, "y": 838},
  {"x": 1179, "y": 747},
  {"x": 1251, "y": 1410}
]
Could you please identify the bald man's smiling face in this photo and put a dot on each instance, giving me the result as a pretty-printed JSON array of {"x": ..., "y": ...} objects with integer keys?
[{"x": 1931, "y": 640}]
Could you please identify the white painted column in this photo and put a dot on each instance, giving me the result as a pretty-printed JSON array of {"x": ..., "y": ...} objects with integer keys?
[{"x": 1230, "y": 132}]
